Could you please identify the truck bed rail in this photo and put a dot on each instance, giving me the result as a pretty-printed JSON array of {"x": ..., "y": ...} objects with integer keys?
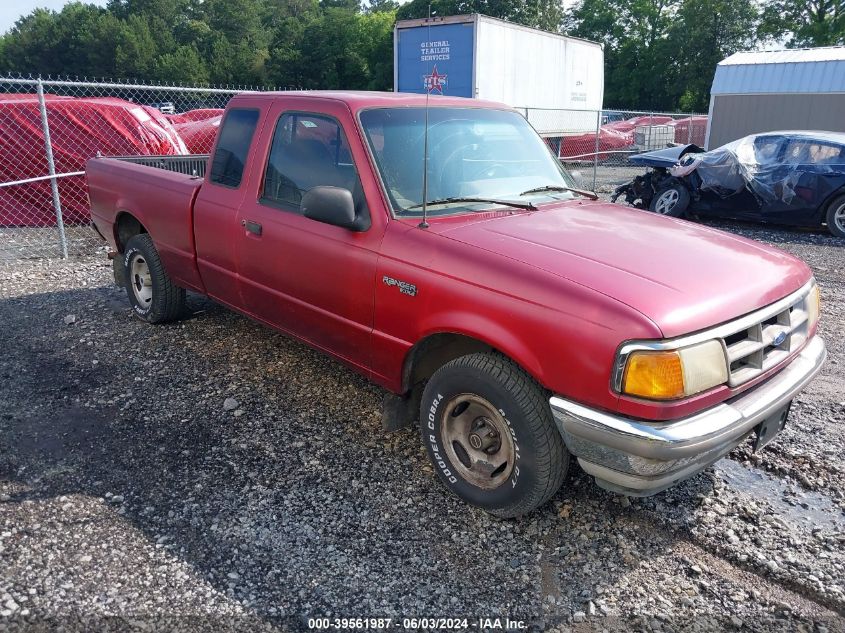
[{"x": 192, "y": 165}]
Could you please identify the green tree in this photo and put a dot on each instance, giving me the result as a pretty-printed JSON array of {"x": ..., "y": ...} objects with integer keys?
[
  {"x": 184, "y": 65},
  {"x": 279, "y": 13},
  {"x": 718, "y": 29},
  {"x": 543, "y": 14},
  {"x": 287, "y": 20},
  {"x": 285, "y": 61},
  {"x": 349, "y": 5},
  {"x": 238, "y": 47},
  {"x": 102, "y": 48},
  {"x": 804, "y": 22},
  {"x": 416, "y": 9},
  {"x": 637, "y": 54},
  {"x": 168, "y": 10},
  {"x": 166, "y": 19},
  {"x": 382, "y": 6},
  {"x": 80, "y": 40},
  {"x": 135, "y": 53},
  {"x": 376, "y": 44},
  {"x": 330, "y": 56},
  {"x": 662, "y": 54},
  {"x": 31, "y": 44}
]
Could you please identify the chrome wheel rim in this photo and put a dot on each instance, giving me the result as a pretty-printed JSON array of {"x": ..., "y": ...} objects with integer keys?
[
  {"x": 666, "y": 201},
  {"x": 839, "y": 218},
  {"x": 478, "y": 441},
  {"x": 142, "y": 283}
]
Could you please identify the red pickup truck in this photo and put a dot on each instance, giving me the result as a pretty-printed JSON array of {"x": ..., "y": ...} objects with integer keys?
[{"x": 519, "y": 319}]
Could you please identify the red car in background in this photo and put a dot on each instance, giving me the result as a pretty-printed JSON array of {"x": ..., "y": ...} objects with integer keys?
[
  {"x": 616, "y": 139},
  {"x": 198, "y": 128},
  {"x": 690, "y": 130},
  {"x": 629, "y": 125},
  {"x": 80, "y": 128}
]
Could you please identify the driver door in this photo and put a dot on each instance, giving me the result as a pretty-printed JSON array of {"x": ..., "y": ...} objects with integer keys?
[{"x": 311, "y": 279}]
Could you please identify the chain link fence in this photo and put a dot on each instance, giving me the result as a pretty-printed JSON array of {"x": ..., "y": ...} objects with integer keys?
[
  {"x": 49, "y": 128},
  {"x": 595, "y": 145}
]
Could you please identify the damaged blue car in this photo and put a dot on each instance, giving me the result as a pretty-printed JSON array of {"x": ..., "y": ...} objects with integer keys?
[{"x": 787, "y": 178}]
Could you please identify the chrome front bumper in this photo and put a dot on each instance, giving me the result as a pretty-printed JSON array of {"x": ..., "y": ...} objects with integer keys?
[{"x": 640, "y": 458}]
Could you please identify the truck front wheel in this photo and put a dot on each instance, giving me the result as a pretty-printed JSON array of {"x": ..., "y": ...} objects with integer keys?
[
  {"x": 153, "y": 295},
  {"x": 490, "y": 434}
]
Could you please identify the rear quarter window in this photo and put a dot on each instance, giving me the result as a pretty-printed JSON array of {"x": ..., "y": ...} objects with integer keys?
[{"x": 227, "y": 166}]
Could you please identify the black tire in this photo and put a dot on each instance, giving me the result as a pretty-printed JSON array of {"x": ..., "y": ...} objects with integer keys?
[
  {"x": 836, "y": 216},
  {"x": 539, "y": 458},
  {"x": 154, "y": 297},
  {"x": 672, "y": 200}
]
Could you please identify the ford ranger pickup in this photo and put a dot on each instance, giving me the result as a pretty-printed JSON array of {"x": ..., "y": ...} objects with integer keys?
[{"x": 439, "y": 248}]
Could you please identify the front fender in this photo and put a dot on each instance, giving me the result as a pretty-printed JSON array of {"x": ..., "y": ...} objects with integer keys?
[{"x": 488, "y": 331}]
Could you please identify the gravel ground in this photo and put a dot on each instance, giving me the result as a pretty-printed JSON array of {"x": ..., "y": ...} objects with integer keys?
[
  {"x": 214, "y": 475},
  {"x": 37, "y": 242}
]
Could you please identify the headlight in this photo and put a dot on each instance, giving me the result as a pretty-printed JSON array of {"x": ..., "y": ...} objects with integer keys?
[
  {"x": 672, "y": 374},
  {"x": 814, "y": 307}
]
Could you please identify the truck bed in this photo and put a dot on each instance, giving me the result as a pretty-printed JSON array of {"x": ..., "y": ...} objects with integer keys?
[
  {"x": 157, "y": 190},
  {"x": 192, "y": 165}
]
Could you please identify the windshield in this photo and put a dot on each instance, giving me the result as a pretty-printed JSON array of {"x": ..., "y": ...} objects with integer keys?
[{"x": 472, "y": 153}]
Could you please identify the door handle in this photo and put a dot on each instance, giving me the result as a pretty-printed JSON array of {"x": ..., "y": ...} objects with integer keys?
[{"x": 252, "y": 227}]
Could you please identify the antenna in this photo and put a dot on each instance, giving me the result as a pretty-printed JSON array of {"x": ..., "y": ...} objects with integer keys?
[{"x": 424, "y": 223}]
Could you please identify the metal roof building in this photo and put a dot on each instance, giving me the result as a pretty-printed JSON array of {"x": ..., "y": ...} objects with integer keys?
[{"x": 761, "y": 91}]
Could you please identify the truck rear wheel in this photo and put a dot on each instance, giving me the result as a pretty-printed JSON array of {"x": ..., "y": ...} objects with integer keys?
[
  {"x": 490, "y": 434},
  {"x": 153, "y": 295}
]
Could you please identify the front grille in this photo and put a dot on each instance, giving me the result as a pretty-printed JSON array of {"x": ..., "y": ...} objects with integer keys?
[
  {"x": 753, "y": 344},
  {"x": 763, "y": 344}
]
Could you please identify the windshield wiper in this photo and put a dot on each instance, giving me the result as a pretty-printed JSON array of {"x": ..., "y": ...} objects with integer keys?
[
  {"x": 581, "y": 192},
  {"x": 505, "y": 203}
]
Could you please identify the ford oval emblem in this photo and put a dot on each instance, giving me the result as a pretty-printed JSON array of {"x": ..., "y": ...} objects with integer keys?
[{"x": 780, "y": 338}]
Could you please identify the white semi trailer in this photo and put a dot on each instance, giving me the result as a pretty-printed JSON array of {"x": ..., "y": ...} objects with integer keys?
[{"x": 559, "y": 79}]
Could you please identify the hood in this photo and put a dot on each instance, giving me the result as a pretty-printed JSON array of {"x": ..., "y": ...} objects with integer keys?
[
  {"x": 665, "y": 157},
  {"x": 682, "y": 276}
]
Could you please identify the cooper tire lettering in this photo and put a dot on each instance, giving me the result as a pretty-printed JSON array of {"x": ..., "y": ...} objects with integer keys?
[{"x": 490, "y": 435}]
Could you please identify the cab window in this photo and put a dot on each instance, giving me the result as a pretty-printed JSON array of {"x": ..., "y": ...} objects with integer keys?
[
  {"x": 308, "y": 150},
  {"x": 227, "y": 167}
]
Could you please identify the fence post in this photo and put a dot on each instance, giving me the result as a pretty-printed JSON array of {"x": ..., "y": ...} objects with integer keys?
[
  {"x": 596, "y": 150},
  {"x": 689, "y": 130},
  {"x": 650, "y": 141},
  {"x": 51, "y": 166}
]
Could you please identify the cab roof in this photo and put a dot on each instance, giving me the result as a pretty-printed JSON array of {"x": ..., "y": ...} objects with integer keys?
[{"x": 359, "y": 99}]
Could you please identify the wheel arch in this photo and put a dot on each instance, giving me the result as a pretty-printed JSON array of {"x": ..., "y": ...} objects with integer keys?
[
  {"x": 126, "y": 226},
  {"x": 438, "y": 347},
  {"x": 824, "y": 207}
]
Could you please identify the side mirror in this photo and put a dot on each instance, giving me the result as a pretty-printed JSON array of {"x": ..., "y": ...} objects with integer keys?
[{"x": 332, "y": 205}]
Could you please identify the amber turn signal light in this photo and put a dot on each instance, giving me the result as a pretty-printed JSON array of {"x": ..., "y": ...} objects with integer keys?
[{"x": 654, "y": 375}]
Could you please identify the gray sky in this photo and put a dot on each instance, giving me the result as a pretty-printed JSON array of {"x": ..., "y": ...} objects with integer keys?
[{"x": 11, "y": 10}]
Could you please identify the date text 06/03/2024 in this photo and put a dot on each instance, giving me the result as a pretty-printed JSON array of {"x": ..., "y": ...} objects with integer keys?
[{"x": 437, "y": 624}]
